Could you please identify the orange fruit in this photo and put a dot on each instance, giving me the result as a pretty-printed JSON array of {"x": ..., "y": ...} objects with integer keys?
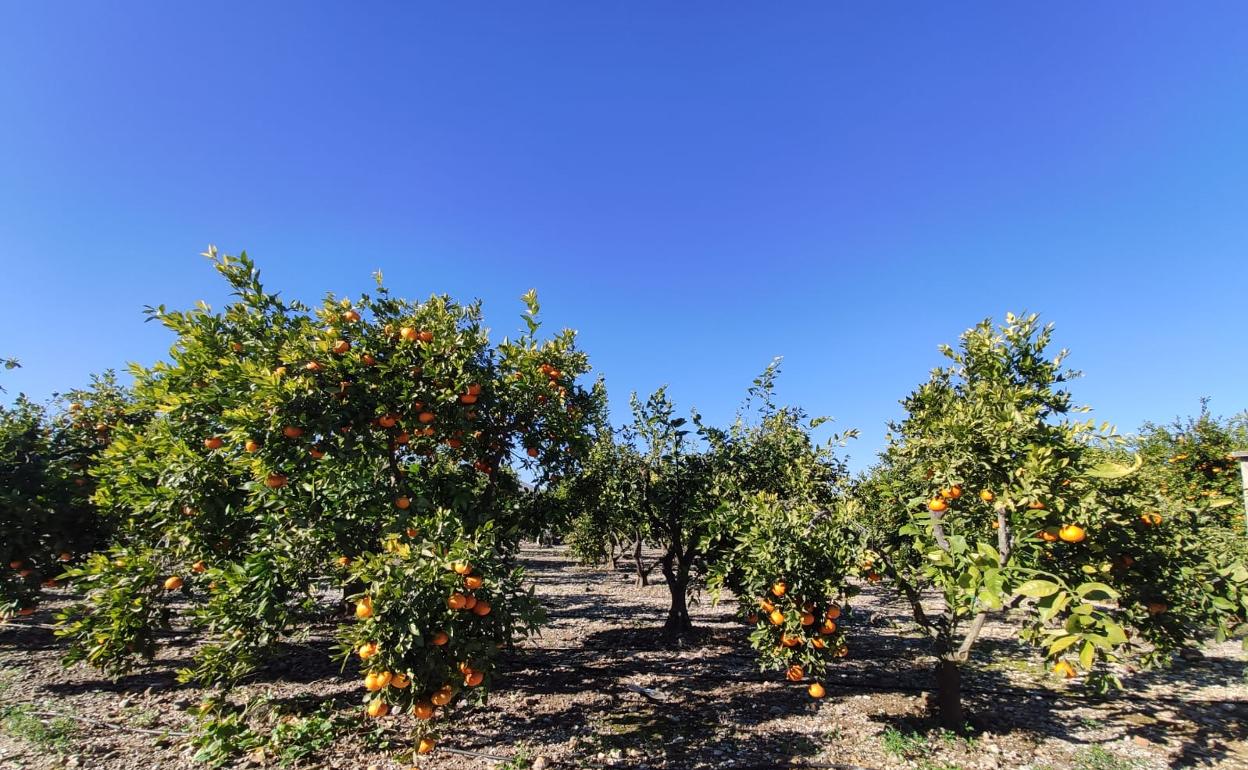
[
  {"x": 387, "y": 420},
  {"x": 425, "y": 336},
  {"x": 344, "y": 561},
  {"x": 292, "y": 431},
  {"x": 65, "y": 556},
  {"x": 173, "y": 583},
  {"x": 1036, "y": 505},
  {"x": 16, "y": 564},
  {"x": 461, "y": 568},
  {"x": 408, "y": 334},
  {"x": 367, "y": 650},
  {"x": 312, "y": 366},
  {"x": 470, "y": 601},
  {"x": 364, "y": 608},
  {"x": 400, "y": 681},
  {"x": 213, "y": 443},
  {"x": 341, "y": 346},
  {"x": 402, "y": 438},
  {"x": 834, "y": 612},
  {"x": 787, "y": 640},
  {"x": 808, "y": 619},
  {"x": 776, "y": 617},
  {"x": 457, "y": 601},
  {"x": 752, "y": 618},
  {"x": 237, "y": 347},
  {"x": 936, "y": 505},
  {"x": 1064, "y": 669},
  {"x": 1156, "y": 608},
  {"x": 350, "y": 316},
  {"x": 367, "y": 359},
  {"x": 532, "y": 451},
  {"x": 1151, "y": 519},
  {"x": 426, "y": 417},
  {"x": 378, "y": 708},
  {"x": 316, "y": 453},
  {"x": 473, "y": 582},
  {"x": 766, "y": 606},
  {"x": 818, "y": 643},
  {"x": 443, "y": 696},
  {"x": 482, "y": 608},
  {"x": 454, "y": 443},
  {"x": 412, "y": 532},
  {"x": 280, "y": 371},
  {"x": 828, "y": 627},
  {"x": 425, "y": 746},
  {"x": 402, "y": 503},
  {"x": 439, "y": 638},
  {"x": 779, "y": 587},
  {"x": 423, "y": 709},
  {"x": 1071, "y": 533},
  {"x": 26, "y": 611},
  {"x": 816, "y": 690},
  {"x": 275, "y": 481},
  {"x": 467, "y": 398},
  {"x": 198, "y": 567},
  {"x": 986, "y": 495},
  {"x": 1048, "y": 534},
  {"x": 251, "y": 445},
  {"x": 474, "y": 390},
  {"x": 794, "y": 673},
  {"x": 474, "y": 678}
]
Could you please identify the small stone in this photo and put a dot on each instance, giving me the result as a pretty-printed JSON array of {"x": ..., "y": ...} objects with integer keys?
[
  {"x": 541, "y": 763},
  {"x": 1140, "y": 740}
]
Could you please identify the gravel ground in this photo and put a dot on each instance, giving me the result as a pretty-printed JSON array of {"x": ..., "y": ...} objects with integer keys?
[{"x": 596, "y": 690}]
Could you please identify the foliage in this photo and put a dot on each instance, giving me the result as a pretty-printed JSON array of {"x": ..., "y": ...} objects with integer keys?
[
  {"x": 991, "y": 495},
  {"x": 291, "y": 448},
  {"x": 46, "y": 516}
]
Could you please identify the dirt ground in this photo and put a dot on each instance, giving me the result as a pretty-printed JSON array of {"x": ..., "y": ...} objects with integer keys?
[{"x": 595, "y": 690}]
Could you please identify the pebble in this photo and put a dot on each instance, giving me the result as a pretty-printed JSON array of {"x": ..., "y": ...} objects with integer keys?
[{"x": 541, "y": 763}]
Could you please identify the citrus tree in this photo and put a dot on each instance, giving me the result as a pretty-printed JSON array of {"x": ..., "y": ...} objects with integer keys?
[
  {"x": 993, "y": 497},
  {"x": 362, "y": 447},
  {"x": 607, "y": 496},
  {"x": 46, "y": 517}
]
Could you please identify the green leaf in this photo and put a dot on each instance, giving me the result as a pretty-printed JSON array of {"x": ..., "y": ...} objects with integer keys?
[
  {"x": 1037, "y": 588},
  {"x": 1087, "y": 655},
  {"x": 1062, "y": 643},
  {"x": 1086, "y": 589},
  {"x": 1108, "y": 470}
]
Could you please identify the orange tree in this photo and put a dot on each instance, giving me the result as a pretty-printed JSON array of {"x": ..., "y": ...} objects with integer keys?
[
  {"x": 778, "y": 537},
  {"x": 376, "y": 442},
  {"x": 610, "y": 519},
  {"x": 46, "y": 517},
  {"x": 992, "y": 497}
]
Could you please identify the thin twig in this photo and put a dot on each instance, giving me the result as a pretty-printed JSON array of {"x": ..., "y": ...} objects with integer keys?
[{"x": 477, "y": 754}]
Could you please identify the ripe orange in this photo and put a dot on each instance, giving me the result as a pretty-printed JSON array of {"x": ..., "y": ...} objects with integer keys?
[
  {"x": 65, "y": 556},
  {"x": 173, "y": 583},
  {"x": 411, "y": 532},
  {"x": 482, "y": 608},
  {"x": 1036, "y": 505},
  {"x": 16, "y": 564},
  {"x": 425, "y": 336},
  {"x": 367, "y": 359},
  {"x": 26, "y": 611},
  {"x": 367, "y": 650},
  {"x": 275, "y": 481},
  {"x": 457, "y": 601},
  {"x": 467, "y": 398},
  {"x": 470, "y": 601},
  {"x": 474, "y": 678},
  {"x": 834, "y": 612},
  {"x": 1156, "y": 608},
  {"x": 776, "y": 617},
  {"x": 427, "y": 431},
  {"x": 344, "y": 561},
  {"x": 378, "y": 708},
  {"x": 794, "y": 673},
  {"x": 312, "y": 366},
  {"x": 213, "y": 443},
  {"x": 199, "y": 567},
  {"x": 251, "y": 445},
  {"x": 439, "y": 638},
  {"x": 818, "y": 642},
  {"x": 532, "y": 451},
  {"x": 408, "y": 334},
  {"x": 473, "y": 582},
  {"x": 364, "y": 608},
  {"x": 1151, "y": 519},
  {"x": 425, "y": 746},
  {"x": 292, "y": 431},
  {"x": 766, "y": 606},
  {"x": 387, "y": 420},
  {"x": 808, "y": 619},
  {"x": 936, "y": 505},
  {"x": 454, "y": 443},
  {"x": 402, "y": 438},
  {"x": 443, "y": 696},
  {"x": 400, "y": 681},
  {"x": 1071, "y": 533},
  {"x": 426, "y": 417},
  {"x": 828, "y": 627},
  {"x": 237, "y": 347},
  {"x": 1064, "y": 669},
  {"x": 986, "y": 495},
  {"x": 423, "y": 710},
  {"x": 779, "y": 587},
  {"x": 787, "y": 640},
  {"x": 816, "y": 690},
  {"x": 461, "y": 568},
  {"x": 474, "y": 390},
  {"x": 402, "y": 503},
  {"x": 340, "y": 347},
  {"x": 316, "y": 453},
  {"x": 752, "y": 618}
]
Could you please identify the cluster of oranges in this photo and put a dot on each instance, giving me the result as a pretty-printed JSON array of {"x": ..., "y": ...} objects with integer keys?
[
  {"x": 1067, "y": 533},
  {"x": 815, "y": 627}
]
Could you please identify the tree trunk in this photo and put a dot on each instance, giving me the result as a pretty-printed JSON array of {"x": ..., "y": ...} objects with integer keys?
[
  {"x": 643, "y": 575},
  {"x": 949, "y": 694},
  {"x": 679, "y": 626}
]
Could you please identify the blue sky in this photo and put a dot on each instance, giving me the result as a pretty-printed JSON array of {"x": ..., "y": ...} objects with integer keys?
[{"x": 695, "y": 187}]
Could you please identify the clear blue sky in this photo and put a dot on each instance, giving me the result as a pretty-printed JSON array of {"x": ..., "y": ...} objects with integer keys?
[{"x": 696, "y": 187}]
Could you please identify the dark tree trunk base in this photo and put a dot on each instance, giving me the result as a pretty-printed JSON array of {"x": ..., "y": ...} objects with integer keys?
[{"x": 949, "y": 695}]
